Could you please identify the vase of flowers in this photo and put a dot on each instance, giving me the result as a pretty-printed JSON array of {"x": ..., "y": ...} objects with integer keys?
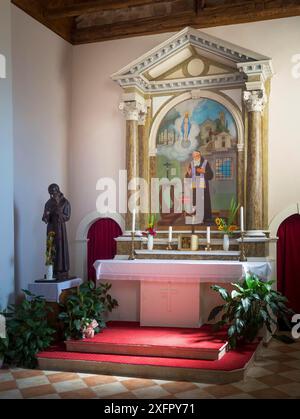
[
  {"x": 50, "y": 255},
  {"x": 150, "y": 232},
  {"x": 226, "y": 225}
]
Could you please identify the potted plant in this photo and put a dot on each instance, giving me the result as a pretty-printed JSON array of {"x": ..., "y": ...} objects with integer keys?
[
  {"x": 27, "y": 331},
  {"x": 50, "y": 254},
  {"x": 84, "y": 310},
  {"x": 227, "y": 226},
  {"x": 251, "y": 305},
  {"x": 150, "y": 232},
  {"x": 3, "y": 350}
]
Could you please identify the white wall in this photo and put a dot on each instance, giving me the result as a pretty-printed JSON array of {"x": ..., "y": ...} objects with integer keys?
[
  {"x": 6, "y": 163},
  {"x": 41, "y": 103},
  {"x": 98, "y": 128}
]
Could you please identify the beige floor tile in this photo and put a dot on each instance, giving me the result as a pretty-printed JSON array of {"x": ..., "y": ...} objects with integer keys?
[
  {"x": 105, "y": 390},
  {"x": 83, "y": 393},
  {"x": 22, "y": 373},
  {"x": 256, "y": 372},
  {"x": 239, "y": 396},
  {"x": 6, "y": 377},
  {"x": 62, "y": 376},
  {"x": 54, "y": 396},
  {"x": 95, "y": 380},
  {"x": 194, "y": 394},
  {"x": 293, "y": 375},
  {"x": 136, "y": 383},
  {"x": 274, "y": 380},
  {"x": 37, "y": 391},
  {"x": 268, "y": 393},
  {"x": 32, "y": 381},
  {"x": 178, "y": 387},
  {"x": 250, "y": 384},
  {"x": 291, "y": 389},
  {"x": 64, "y": 386},
  {"x": 8, "y": 385},
  {"x": 153, "y": 392},
  {"x": 11, "y": 394},
  {"x": 293, "y": 364},
  {"x": 222, "y": 390}
]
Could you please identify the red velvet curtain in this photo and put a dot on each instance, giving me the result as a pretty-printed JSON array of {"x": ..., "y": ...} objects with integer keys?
[
  {"x": 101, "y": 244},
  {"x": 288, "y": 260}
]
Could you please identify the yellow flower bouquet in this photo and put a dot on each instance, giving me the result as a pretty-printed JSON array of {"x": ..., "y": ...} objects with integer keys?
[{"x": 227, "y": 226}]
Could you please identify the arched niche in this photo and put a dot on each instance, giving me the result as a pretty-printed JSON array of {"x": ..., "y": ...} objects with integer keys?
[{"x": 81, "y": 238}]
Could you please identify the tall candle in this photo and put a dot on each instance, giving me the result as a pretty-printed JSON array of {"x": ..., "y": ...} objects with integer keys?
[
  {"x": 242, "y": 219},
  {"x": 133, "y": 220},
  {"x": 170, "y": 234},
  {"x": 208, "y": 235}
]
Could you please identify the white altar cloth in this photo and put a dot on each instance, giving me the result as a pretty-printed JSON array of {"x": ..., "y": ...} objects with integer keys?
[{"x": 180, "y": 270}]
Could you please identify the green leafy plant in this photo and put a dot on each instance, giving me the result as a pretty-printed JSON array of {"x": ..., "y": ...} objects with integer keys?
[
  {"x": 251, "y": 305},
  {"x": 3, "y": 348},
  {"x": 83, "y": 305},
  {"x": 27, "y": 331}
]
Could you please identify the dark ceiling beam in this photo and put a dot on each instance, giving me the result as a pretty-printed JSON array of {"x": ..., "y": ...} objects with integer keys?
[
  {"x": 36, "y": 9},
  {"x": 227, "y": 13},
  {"x": 89, "y": 7}
]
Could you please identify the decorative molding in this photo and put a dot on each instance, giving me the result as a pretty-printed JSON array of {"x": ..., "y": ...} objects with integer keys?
[
  {"x": 255, "y": 100},
  {"x": 243, "y": 63},
  {"x": 133, "y": 111}
]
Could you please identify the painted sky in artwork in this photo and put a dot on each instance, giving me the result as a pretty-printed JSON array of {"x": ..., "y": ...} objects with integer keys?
[{"x": 200, "y": 110}]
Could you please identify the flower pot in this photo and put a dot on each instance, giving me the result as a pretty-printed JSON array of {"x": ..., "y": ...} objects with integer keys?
[
  {"x": 150, "y": 243},
  {"x": 49, "y": 274},
  {"x": 226, "y": 242}
]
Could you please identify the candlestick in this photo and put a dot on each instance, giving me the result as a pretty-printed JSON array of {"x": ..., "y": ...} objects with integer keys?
[
  {"x": 132, "y": 256},
  {"x": 242, "y": 219},
  {"x": 133, "y": 220},
  {"x": 169, "y": 247},
  {"x": 208, "y": 235},
  {"x": 170, "y": 234},
  {"x": 243, "y": 257}
]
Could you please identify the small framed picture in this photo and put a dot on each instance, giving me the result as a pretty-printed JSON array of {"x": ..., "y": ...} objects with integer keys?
[{"x": 184, "y": 242}]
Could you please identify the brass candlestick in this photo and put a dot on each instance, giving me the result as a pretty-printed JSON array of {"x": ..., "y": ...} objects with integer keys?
[
  {"x": 243, "y": 257},
  {"x": 132, "y": 256},
  {"x": 169, "y": 247},
  {"x": 208, "y": 247}
]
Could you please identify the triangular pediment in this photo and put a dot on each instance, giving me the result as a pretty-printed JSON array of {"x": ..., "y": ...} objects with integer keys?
[{"x": 195, "y": 57}]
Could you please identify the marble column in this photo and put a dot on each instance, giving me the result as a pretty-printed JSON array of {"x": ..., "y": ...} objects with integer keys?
[
  {"x": 255, "y": 101},
  {"x": 143, "y": 138},
  {"x": 132, "y": 111}
]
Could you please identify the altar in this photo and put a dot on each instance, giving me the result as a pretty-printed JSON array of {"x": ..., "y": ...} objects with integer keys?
[{"x": 172, "y": 292}]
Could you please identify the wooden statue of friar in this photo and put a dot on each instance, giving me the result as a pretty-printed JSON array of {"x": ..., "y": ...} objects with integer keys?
[{"x": 57, "y": 212}]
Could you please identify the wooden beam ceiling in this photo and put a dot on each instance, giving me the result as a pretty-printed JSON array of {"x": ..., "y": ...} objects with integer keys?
[{"x": 81, "y": 21}]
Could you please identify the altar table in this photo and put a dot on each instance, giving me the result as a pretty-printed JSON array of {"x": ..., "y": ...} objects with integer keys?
[{"x": 172, "y": 292}]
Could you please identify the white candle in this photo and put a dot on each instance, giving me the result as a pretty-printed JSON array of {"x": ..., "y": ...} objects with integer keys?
[
  {"x": 242, "y": 219},
  {"x": 133, "y": 220},
  {"x": 208, "y": 235},
  {"x": 170, "y": 233}
]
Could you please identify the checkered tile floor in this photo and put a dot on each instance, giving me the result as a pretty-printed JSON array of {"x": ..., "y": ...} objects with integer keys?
[{"x": 276, "y": 374}]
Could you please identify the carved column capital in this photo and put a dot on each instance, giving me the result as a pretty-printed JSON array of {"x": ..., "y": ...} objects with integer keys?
[
  {"x": 255, "y": 100},
  {"x": 133, "y": 110}
]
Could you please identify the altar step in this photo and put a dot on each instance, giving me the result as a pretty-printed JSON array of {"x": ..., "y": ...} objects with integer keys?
[
  {"x": 129, "y": 338},
  {"x": 231, "y": 368}
]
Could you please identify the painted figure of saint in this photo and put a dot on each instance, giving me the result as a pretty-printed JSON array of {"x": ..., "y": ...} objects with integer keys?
[
  {"x": 200, "y": 172},
  {"x": 185, "y": 130}
]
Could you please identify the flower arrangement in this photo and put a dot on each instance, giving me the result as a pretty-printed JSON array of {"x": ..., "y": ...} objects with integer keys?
[
  {"x": 227, "y": 226},
  {"x": 150, "y": 230},
  {"x": 50, "y": 248}
]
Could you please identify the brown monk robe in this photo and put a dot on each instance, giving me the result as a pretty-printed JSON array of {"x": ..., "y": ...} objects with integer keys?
[{"x": 57, "y": 212}]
